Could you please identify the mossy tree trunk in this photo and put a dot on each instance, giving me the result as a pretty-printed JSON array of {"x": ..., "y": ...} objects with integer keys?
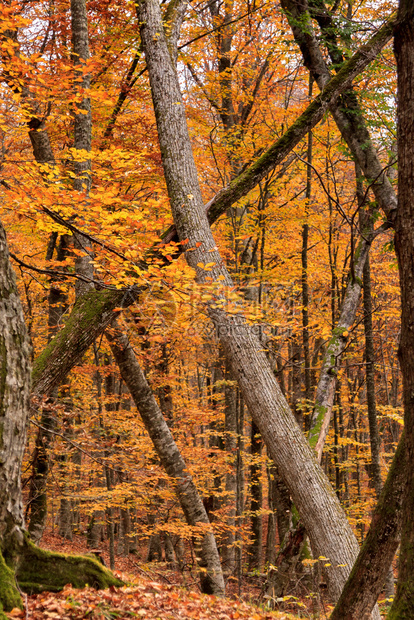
[
  {"x": 370, "y": 570},
  {"x": 34, "y": 568},
  {"x": 15, "y": 351},
  {"x": 345, "y": 110}
]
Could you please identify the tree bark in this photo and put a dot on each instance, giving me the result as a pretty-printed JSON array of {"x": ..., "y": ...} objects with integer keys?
[
  {"x": 15, "y": 351},
  {"x": 374, "y": 438},
  {"x": 324, "y": 519},
  {"x": 403, "y": 606},
  {"x": 82, "y": 132}
]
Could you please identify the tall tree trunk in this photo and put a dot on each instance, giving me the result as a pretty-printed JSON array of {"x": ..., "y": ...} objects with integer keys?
[
  {"x": 43, "y": 152},
  {"x": 375, "y": 467},
  {"x": 82, "y": 137},
  {"x": 403, "y": 606},
  {"x": 15, "y": 352},
  {"x": 231, "y": 447},
  {"x": 272, "y": 519},
  {"x": 324, "y": 519},
  {"x": 305, "y": 280},
  {"x": 57, "y": 304}
]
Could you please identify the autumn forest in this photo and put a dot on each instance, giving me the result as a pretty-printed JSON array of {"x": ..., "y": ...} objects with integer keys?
[{"x": 206, "y": 304}]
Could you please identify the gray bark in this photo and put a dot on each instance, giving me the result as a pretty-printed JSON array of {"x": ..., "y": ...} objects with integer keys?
[
  {"x": 211, "y": 576},
  {"x": 15, "y": 352},
  {"x": 82, "y": 133},
  {"x": 324, "y": 519},
  {"x": 374, "y": 438}
]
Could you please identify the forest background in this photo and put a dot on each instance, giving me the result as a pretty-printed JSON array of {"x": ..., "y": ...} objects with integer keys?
[{"x": 85, "y": 205}]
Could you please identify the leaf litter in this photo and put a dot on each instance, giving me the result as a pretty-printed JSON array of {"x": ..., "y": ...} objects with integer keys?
[{"x": 145, "y": 599}]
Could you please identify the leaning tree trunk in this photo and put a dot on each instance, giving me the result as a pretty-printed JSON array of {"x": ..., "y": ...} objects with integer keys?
[
  {"x": 324, "y": 519},
  {"x": 403, "y": 606},
  {"x": 211, "y": 576},
  {"x": 346, "y": 110}
]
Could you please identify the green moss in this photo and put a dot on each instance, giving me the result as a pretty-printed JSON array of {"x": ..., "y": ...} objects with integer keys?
[
  {"x": 9, "y": 594},
  {"x": 314, "y": 432},
  {"x": 403, "y": 605},
  {"x": 338, "y": 332},
  {"x": 40, "y": 570},
  {"x": 85, "y": 313}
]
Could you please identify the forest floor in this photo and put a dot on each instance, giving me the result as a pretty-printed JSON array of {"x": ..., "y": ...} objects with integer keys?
[{"x": 155, "y": 592}]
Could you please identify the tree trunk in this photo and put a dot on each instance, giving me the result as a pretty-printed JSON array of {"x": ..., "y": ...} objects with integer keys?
[
  {"x": 324, "y": 519},
  {"x": 57, "y": 304},
  {"x": 403, "y": 606},
  {"x": 15, "y": 351},
  {"x": 82, "y": 133},
  {"x": 231, "y": 447},
  {"x": 271, "y": 520},
  {"x": 325, "y": 392},
  {"x": 256, "y": 492}
]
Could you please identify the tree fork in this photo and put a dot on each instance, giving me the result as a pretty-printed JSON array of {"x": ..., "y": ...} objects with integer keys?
[{"x": 345, "y": 110}]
